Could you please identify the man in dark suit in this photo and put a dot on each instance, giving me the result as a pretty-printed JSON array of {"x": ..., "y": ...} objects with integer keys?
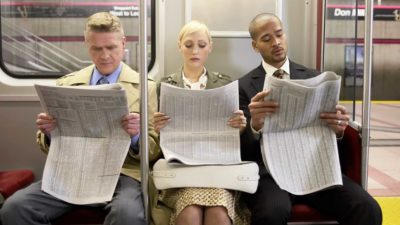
[{"x": 348, "y": 204}]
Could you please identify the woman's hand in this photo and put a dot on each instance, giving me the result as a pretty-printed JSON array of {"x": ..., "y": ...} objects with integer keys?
[
  {"x": 160, "y": 121},
  {"x": 238, "y": 120}
]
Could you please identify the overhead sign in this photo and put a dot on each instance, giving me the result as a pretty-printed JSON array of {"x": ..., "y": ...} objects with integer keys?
[
  {"x": 72, "y": 9},
  {"x": 388, "y": 13}
]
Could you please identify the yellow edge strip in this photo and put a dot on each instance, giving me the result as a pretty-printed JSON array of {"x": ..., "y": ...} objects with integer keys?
[{"x": 373, "y": 101}]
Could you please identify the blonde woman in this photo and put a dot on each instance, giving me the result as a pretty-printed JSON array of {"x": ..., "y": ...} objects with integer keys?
[{"x": 196, "y": 206}]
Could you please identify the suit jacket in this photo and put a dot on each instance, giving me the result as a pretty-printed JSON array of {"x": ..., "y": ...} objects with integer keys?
[
  {"x": 129, "y": 79},
  {"x": 249, "y": 85}
]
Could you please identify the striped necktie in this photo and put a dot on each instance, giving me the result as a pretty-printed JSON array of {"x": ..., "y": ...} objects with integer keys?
[
  {"x": 279, "y": 73},
  {"x": 102, "y": 80}
]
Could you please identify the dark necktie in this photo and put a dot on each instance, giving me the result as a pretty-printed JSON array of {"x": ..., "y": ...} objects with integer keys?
[
  {"x": 279, "y": 73},
  {"x": 102, "y": 80}
]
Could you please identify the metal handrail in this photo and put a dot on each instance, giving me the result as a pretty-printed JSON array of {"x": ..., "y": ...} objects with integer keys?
[
  {"x": 366, "y": 107},
  {"x": 144, "y": 148}
]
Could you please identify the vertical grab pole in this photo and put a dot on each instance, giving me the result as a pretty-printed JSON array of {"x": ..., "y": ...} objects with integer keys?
[
  {"x": 144, "y": 148},
  {"x": 323, "y": 36},
  {"x": 369, "y": 15}
]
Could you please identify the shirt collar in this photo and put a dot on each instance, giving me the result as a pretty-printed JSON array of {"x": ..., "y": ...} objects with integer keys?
[
  {"x": 112, "y": 78},
  {"x": 199, "y": 85},
  {"x": 269, "y": 70}
]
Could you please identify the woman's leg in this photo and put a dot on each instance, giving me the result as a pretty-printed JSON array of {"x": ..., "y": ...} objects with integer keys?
[
  {"x": 216, "y": 215},
  {"x": 190, "y": 215}
]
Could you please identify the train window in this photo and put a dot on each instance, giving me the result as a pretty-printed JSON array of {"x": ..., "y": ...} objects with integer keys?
[
  {"x": 353, "y": 65},
  {"x": 44, "y": 38},
  {"x": 340, "y": 48}
]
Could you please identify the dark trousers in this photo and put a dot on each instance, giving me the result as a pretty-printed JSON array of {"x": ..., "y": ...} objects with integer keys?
[
  {"x": 349, "y": 204},
  {"x": 32, "y": 206}
]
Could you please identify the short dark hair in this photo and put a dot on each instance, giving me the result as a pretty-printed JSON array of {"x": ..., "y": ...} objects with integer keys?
[{"x": 261, "y": 16}]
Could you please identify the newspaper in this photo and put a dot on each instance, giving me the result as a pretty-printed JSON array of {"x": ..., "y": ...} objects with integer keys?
[
  {"x": 88, "y": 146},
  {"x": 198, "y": 133},
  {"x": 299, "y": 149}
]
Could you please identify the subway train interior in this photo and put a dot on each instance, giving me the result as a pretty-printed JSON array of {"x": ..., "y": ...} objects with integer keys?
[{"x": 43, "y": 40}]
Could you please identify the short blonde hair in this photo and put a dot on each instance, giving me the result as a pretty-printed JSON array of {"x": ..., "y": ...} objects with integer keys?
[
  {"x": 103, "y": 22},
  {"x": 193, "y": 27}
]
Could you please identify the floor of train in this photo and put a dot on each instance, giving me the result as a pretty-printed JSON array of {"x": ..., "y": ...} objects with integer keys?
[{"x": 384, "y": 156}]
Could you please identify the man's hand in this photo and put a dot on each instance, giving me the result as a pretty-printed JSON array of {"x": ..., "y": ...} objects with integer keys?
[
  {"x": 238, "y": 120},
  {"x": 45, "y": 123},
  {"x": 160, "y": 120},
  {"x": 337, "y": 121},
  {"x": 131, "y": 124},
  {"x": 259, "y": 109}
]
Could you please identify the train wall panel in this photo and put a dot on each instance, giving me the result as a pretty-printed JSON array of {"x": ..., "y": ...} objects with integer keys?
[{"x": 18, "y": 137}]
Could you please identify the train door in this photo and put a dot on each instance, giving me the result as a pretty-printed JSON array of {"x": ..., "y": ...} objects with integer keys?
[{"x": 345, "y": 53}]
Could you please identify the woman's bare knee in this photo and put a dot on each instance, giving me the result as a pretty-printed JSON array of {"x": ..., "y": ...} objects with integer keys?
[
  {"x": 190, "y": 215},
  {"x": 217, "y": 215}
]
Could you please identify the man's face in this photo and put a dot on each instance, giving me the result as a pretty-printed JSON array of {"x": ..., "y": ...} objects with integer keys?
[
  {"x": 270, "y": 41},
  {"x": 106, "y": 49}
]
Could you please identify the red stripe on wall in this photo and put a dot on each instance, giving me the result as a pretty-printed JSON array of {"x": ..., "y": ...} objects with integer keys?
[
  {"x": 363, "y": 6},
  {"x": 63, "y": 38},
  {"x": 83, "y": 3},
  {"x": 380, "y": 41}
]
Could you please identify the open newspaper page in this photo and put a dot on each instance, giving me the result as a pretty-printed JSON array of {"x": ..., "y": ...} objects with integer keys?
[
  {"x": 88, "y": 146},
  {"x": 198, "y": 133},
  {"x": 299, "y": 149}
]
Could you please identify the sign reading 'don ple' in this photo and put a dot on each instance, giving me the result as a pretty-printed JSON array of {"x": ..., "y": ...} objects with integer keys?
[{"x": 388, "y": 13}]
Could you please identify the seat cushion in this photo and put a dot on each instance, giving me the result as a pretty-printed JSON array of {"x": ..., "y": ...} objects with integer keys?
[
  {"x": 13, "y": 180},
  {"x": 350, "y": 151},
  {"x": 81, "y": 215},
  {"x": 304, "y": 213}
]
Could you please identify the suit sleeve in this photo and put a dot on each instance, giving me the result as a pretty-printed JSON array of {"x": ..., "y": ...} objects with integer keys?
[{"x": 249, "y": 145}]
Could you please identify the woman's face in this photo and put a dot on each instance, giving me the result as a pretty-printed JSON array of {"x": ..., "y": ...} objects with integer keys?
[{"x": 195, "y": 48}]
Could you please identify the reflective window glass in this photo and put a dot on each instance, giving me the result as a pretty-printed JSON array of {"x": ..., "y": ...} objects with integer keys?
[{"x": 44, "y": 38}]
